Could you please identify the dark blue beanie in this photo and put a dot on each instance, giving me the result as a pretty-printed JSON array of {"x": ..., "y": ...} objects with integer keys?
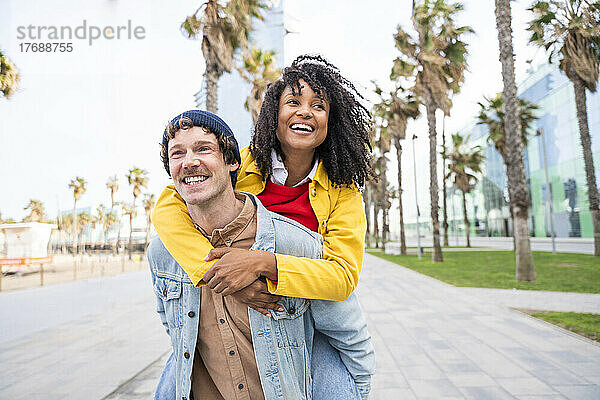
[{"x": 209, "y": 121}]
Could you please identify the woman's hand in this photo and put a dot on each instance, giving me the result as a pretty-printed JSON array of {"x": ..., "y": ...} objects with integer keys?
[
  {"x": 257, "y": 297},
  {"x": 238, "y": 268}
]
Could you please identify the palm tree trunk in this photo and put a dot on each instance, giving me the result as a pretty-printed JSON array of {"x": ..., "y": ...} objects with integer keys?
[
  {"x": 118, "y": 239},
  {"x": 147, "y": 233},
  {"x": 436, "y": 254},
  {"x": 211, "y": 77},
  {"x": 590, "y": 174},
  {"x": 376, "y": 219},
  {"x": 130, "y": 249},
  {"x": 367, "y": 200},
  {"x": 466, "y": 219},
  {"x": 444, "y": 202},
  {"x": 515, "y": 170},
  {"x": 74, "y": 227},
  {"x": 383, "y": 200},
  {"x": 400, "y": 209}
]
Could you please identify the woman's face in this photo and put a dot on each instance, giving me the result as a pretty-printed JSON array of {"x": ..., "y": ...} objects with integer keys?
[{"x": 302, "y": 124}]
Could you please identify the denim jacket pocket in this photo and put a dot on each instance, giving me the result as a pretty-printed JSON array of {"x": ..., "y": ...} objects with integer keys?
[
  {"x": 169, "y": 291},
  {"x": 293, "y": 307},
  {"x": 289, "y": 324}
]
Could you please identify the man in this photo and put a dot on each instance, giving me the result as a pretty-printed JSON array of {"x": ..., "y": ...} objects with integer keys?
[{"x": 221, "y": 348}]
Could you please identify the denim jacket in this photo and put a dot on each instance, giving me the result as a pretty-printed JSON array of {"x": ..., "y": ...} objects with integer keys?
[{"x": 289, "y": 344}]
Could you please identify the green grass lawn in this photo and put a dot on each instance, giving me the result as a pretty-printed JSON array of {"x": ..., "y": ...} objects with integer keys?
[
  {"x": 562, "y": 272},
  {"x": 587, "y": 325}
]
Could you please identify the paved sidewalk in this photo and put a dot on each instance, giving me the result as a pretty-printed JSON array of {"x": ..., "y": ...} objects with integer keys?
[
  {"x": 436, "y": 341},
  {"x": 538, "y": 299},
  {"x": 433, "y": 341},
  {"x": 78, "y": 340}
]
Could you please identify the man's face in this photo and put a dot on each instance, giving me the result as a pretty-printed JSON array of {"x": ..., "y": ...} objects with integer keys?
[{"x": 197, "y": 167}]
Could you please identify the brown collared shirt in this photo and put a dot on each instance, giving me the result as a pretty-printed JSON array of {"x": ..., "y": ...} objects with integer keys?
[{"x": 224, "y": 363}]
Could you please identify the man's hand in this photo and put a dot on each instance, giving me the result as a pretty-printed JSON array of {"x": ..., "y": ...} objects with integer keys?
[
  {"x": 238, "y": 268},
  {"x": 257, "y": 297}
]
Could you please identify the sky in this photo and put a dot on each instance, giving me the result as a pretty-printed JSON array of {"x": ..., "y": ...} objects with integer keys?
[{"x": 100, "y": 110}]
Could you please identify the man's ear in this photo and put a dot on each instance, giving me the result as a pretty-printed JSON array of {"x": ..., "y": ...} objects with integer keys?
[{"x": 234, "y": 166}]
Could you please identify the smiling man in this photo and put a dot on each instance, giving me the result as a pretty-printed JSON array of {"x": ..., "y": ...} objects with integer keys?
[{"x": 221, "y": 348}]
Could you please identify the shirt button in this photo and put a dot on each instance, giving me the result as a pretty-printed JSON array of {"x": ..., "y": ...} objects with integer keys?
[
  {"x": 186, "y": 354},
  {"x": 240, "y": 386},
  {"x": 292, "y": 310},
  {"x": 324, "y": 223},
  {"x": 231, "y": 352},
  {"x": 184, "y": 398},
  {"x": 228, "y": 240},
  {"x": 314, "y": 192},
  {"x": 191, "y": 314},
  {"x": 222, "y": 321}
]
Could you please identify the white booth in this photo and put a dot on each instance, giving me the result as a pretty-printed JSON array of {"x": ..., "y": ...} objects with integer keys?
[{"x": 25, "y": 244}]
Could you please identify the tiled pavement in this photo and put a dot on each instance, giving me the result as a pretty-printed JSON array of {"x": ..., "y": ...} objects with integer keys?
[
  {"x": 433, "y": 341},
  {"x": 92, "y": 336}
]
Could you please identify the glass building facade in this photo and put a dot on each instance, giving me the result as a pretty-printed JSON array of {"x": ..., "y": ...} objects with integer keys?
[{"x": 487, "y": 205}]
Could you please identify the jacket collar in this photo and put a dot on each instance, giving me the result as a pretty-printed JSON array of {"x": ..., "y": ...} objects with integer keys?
[
  {"x": 320, "y": 177},
  {"x": 265, "y": 232}
]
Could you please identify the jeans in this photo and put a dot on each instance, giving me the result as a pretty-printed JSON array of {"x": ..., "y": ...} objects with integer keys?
[{"x": 327, "y": 369}]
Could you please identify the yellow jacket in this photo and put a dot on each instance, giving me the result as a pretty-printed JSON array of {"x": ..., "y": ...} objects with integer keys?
[{"x": 342, "y": 223}]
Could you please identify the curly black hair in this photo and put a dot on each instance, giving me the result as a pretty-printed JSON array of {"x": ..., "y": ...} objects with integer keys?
[{"x": 346, "y": 150}]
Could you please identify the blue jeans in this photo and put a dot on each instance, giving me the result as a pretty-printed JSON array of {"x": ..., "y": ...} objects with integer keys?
[{"x": 328, "y": 370}]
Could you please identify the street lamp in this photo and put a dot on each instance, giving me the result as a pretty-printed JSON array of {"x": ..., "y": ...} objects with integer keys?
[{"x": 419, "y": 248}]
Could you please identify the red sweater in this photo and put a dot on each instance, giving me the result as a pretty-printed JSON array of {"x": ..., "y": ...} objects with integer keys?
[{"x": 292, "y": 202}]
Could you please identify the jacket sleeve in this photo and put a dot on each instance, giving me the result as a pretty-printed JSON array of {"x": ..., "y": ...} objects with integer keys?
[
  {"x": 336, "y": 275},
  {"x": 332, "y": 278},
  {"x": 344, "y": 325},
  {"x": 160, "y": 307},
  {"x": 185, "y": 243}
]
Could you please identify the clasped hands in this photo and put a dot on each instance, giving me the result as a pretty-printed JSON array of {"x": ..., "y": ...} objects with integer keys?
[{"x": 237, "y": 274}]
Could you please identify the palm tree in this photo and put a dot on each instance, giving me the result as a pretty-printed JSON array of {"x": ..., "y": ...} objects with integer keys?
[
  {"x": 9, "y": 76},
  {"x": 374, "y": 191},
  {"x": 100, "y": 217},
  {"x": 396, "y": 110},
  {"x": 515, "y": 170},
  {"x": 436, "y": 59},
  {"x": 260, "y": 70},
  {"x": 444, "y": 155},
  {"x": 128, "y": 209},
  {"x": 79, "y": 187},
  {"x": 110, "y": 220},
  {"x": 572, "y": 28},
  {"x": 465, "y": 162},
  {"x": 65, "y": 224},
  {"x": 149, "y": 201},
  {"x": 491, "y": 113},
  {"x": 113, "y": 186},
  {"x": 36, "y": 211},
  {"x": 383, "y": 145},
  {"x": 224, "y": 29},
  {"x": 83, "y": 220},
  {"x": 138, "y": 179}
]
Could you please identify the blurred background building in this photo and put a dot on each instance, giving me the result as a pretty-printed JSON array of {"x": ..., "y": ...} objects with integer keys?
[{"x": 487, "y": 205}]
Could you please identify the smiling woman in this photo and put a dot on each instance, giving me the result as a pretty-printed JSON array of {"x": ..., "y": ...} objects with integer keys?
[{"x": 308, "y": 158}]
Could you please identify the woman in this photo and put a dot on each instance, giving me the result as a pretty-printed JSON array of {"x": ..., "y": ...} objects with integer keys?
[{"x": 308, "y": 157}]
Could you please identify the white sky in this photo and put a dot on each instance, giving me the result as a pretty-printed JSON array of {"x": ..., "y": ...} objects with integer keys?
[{"x": 100, "y": 110}]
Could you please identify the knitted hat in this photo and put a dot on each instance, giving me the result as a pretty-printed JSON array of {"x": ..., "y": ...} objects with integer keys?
[{"x": 209, "y": 121}]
